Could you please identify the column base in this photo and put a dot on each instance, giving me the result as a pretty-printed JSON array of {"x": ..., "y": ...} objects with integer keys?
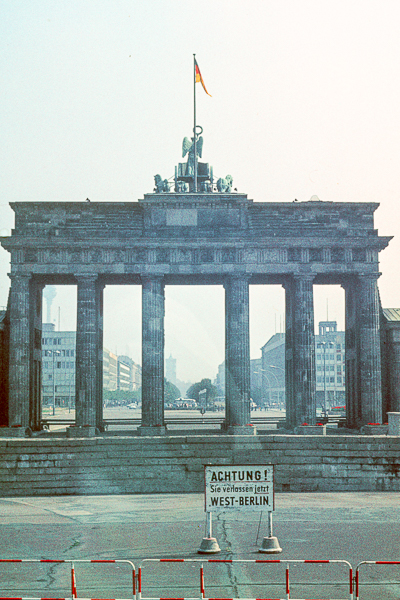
[
  {"x": 394, "y": 423},
  {"x": 310, "y": 430},
  {"x": 81, "y": 431},
  {"x": 152, "y": 431},
  {"x": 375, "y": 429},
  {"x": 241, "y": 430},
  {"x": 13, "y": 431}
]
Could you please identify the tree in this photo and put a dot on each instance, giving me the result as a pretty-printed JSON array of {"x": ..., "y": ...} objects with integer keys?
[
  {"x": 171, "y": 392},
  {"x": 204, "y": 384}
]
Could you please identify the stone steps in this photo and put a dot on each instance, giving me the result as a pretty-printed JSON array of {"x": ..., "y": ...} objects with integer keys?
[{"x": 123, "y": 465}]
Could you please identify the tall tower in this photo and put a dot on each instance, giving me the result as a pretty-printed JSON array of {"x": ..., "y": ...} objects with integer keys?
[
  {"x": 49, "y": 294},
  {"x": 170, "y": 369}
]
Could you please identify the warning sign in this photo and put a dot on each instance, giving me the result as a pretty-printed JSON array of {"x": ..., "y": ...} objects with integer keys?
[{"x": 239, "y": 487}]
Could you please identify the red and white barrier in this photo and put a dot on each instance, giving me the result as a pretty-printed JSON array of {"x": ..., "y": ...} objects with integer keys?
[
  {"x": 74, "y": 592},
  {"x": 370, "y": 562},
  {"x": 201, "y": 562}
]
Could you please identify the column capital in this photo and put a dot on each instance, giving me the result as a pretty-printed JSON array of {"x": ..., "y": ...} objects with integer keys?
[
  {"x": 146, "y": 279},
  {"x": 309, "y": 277},
  {"x": 368, "y": 276},
  {"x": 235, "y": 277},
  {"x": 86, "y": 277},
  {"x": 19, "y": 276}
]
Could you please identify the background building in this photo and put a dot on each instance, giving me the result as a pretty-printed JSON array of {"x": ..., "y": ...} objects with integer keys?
[
  {"x": 330, "y": 365},
  {"x": 110, "y": 371},
  {"x": 273, "y": 370},
  {"x": 58, "y": 366}
]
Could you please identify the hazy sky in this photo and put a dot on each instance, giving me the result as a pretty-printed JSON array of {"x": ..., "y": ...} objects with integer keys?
[{"x": 97, "y": 97}]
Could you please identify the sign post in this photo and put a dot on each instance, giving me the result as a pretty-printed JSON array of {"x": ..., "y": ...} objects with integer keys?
[{"x": 239, "y": 488}]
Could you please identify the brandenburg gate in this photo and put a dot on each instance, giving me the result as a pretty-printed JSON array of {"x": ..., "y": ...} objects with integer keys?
[{"x": 196, "y": 232}]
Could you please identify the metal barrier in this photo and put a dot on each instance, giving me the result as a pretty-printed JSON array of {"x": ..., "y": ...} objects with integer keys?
[
  {"x": 371, "y": 562},
  {"x": 202, "y": 594},
  {"x": 74, "y": 593}
]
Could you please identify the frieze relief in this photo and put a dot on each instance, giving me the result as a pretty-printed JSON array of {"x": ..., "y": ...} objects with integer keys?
[{"x": 192, "y": 256}]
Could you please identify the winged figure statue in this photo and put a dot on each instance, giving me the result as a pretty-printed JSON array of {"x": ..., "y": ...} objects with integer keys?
[{"x": 188, "y": 148}]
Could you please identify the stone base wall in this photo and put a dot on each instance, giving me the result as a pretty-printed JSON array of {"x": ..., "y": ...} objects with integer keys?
[{"x": 133, "y": 465}]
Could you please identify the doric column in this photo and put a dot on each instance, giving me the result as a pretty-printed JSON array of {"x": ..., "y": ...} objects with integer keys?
[
  {"x": 370, "y": 350},
  {"x": 99, "y": 373},
  {"x": 20, "y": 358},
  {"x": 87, "y": 350},
  {"x": 153, "y": 310},
  {"x": 237, "y": 355},
  {"x": 300, "y": 351},
  {"x": 35, "y": 411},
  {"x": 352, "y": 375}
]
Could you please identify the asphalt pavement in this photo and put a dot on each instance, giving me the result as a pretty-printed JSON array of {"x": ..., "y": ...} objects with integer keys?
[{"x": 342, "y": 526}]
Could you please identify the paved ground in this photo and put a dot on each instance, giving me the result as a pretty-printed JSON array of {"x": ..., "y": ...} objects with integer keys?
[{"x": 353, "y": 527}]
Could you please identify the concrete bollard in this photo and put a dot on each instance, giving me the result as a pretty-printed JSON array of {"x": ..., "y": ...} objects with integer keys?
[{"x": 394, "y": 423}]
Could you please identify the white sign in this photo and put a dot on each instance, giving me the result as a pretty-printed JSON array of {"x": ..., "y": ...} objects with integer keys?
[{"x": 239, "y": 487}]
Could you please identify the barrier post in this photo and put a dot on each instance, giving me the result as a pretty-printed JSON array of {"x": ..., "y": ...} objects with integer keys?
[
  {"x": 270, "y": 544},
  {"x": 202, "y": 589},
  {"x": 73, "y": 582},
  {"x": 209, "y": 544}
]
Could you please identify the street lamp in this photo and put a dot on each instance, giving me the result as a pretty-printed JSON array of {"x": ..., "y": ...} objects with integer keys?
[
  {"x": 262, "y": 371},
  {"x": 54, "y": 353},
  {"x": 324, "y": 345},
  {"x": 280, "y": 369}
]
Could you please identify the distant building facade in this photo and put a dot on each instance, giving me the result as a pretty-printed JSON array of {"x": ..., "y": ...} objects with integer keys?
[
  {"x": 330, "y": 365},
  {"x": 58, "y": 374},
  {"x": 58, "y": 366},
  {"x": 390, "y": 345},
  {"x": 110, "y": 371},
  {"x": 273, "y": 370},
  {"x": 129, "y": 373}
]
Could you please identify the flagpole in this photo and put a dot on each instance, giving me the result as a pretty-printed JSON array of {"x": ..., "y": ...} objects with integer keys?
[{"x": 194, "y": 128}]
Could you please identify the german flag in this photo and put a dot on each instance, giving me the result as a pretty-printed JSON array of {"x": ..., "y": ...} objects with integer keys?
[{"x": 199, "y": 77}]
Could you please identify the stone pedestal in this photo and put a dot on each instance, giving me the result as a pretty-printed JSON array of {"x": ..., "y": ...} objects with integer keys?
[
  {"x": 151, "y": 431},
  {"x": 394, "y": 423},
  {"x": 78, "y": 431},
  {"x": 310, "y": 430},
  {"x": 377, "y": 429},
  {"x": 13, "y": 432},
  {"x": 241, "y": 430}
]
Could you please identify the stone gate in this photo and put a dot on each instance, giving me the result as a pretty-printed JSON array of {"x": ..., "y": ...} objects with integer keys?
[{"x": 212, "y": 236}]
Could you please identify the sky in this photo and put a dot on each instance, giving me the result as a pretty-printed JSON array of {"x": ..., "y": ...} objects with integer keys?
[{"x": 97, "y": 97}]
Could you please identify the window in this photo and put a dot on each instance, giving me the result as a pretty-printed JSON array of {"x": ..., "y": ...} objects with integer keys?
[
  {"x": 338, "y": 357},
  {"x": 67, "y": 353},
  {"x": 339, "y": 379},
  {"x": 332, "y": 380},
  {"x": 58, "y": 365},
  {"x": 338, "y": 346},
  {"x": 339, "y": 369}
]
